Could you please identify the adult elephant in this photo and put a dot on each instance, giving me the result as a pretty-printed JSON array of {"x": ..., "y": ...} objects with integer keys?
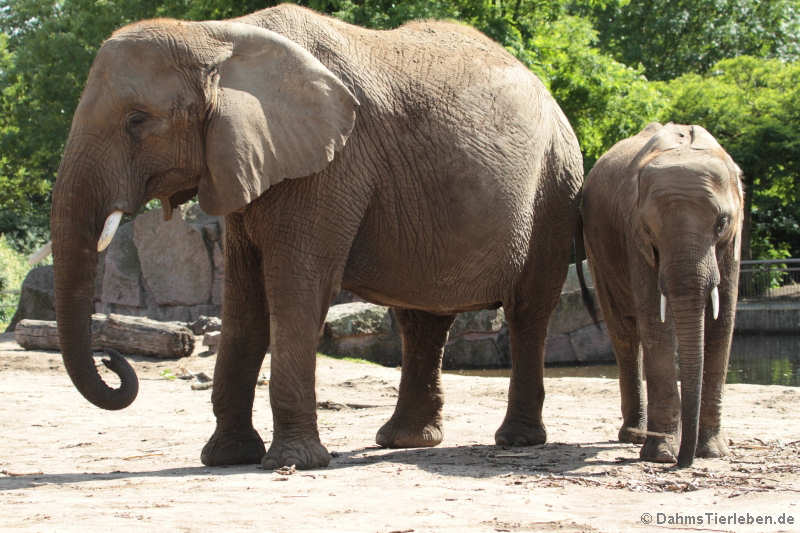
[
  {"x": 437, "y": 175},
  {"x": 662, "y": 218}
]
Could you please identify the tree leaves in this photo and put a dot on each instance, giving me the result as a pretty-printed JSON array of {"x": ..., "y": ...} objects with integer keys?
[{"x": 613, "y": 66}]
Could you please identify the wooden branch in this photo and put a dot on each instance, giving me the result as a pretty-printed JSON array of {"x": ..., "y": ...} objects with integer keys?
[{"x": 129, "y": 335}]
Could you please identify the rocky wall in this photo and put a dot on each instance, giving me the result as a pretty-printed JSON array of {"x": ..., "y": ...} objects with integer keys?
[
  {"x": 165, "y": 270},
  {"x": 173, "y": 271}
]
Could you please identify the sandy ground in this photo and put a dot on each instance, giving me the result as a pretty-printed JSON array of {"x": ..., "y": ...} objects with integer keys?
[{"x": 67, "y": 466}]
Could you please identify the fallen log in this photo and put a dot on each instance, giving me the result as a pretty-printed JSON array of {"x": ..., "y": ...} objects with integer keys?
[{"x": 128, "y": 335}]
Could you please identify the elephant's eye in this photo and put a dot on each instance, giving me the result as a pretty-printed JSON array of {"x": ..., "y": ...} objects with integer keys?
[
  {"x": 135, "y": 119},
  {"x": 722, "y": 223}
]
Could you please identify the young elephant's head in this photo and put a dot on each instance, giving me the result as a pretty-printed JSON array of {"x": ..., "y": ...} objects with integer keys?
[
  {"x": 688, "y": 218},
  {"x": 171, "y": 109}
]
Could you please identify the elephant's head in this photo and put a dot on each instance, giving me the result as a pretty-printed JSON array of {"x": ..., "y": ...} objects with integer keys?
[
  {"x": 689, "y": 215},
  {"x": 170, "y": 109}
]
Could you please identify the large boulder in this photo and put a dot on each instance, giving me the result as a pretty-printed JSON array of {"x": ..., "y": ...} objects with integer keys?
[
  {"x": 572, "y": 336},
  {"x": 174, "y": 271},
  {"x": 36, "y": 297},
  {"x": 362, "y": 330},
  {"x": 122, "y": 272},
  {"x": 175, "y": 262},
  {"x": 477, "y": 339}
]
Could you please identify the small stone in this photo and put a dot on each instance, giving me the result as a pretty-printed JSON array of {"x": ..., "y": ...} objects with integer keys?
[
  {"x": 202, "y": 377},
  {"x": 212, "y": 340},
  {"x": 205, "y": 324}
]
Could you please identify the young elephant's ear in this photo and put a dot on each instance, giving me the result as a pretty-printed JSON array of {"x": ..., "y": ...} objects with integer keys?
[
  {"x": 642, "y": 239},
  {"x": 702, "y": 140},
  {"x": 275, "y": 112},
  {"x": 662, "y": 139}
]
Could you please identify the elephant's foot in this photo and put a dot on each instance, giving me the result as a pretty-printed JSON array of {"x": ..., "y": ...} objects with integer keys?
[
  {"x": 712, "y": 443},
  {"x": 658, "y": 449},
  {"x": 233, "y": 448},
  {"x": 302, "y": 453},
  {"x": 633, "y": 434},
  {"x": 399, "y": 432},
  {"x": 520, "y": 434}
]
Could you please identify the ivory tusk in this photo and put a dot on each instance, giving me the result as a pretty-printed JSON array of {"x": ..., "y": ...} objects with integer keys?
[
  {"x": 109, "y": 229},
  {"x": 715, "y": 302},
  {"x": 663, "y": 307},
  {"x": 40, "y": 254}
]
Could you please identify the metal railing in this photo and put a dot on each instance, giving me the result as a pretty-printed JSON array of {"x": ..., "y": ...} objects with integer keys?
[{"x": 772, "y": 279}]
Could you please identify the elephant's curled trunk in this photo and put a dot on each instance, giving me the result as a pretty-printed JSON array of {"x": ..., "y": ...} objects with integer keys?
[{"x": 75, "y": 255}]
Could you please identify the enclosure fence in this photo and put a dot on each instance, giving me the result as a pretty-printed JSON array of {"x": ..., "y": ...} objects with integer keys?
[{"x": 772, "y": 279}]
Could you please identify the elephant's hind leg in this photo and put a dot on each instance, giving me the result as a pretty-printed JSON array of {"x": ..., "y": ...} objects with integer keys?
[
  {"x": 627, "y": 350},
  {"x": 417, "y": 419},
  {"x": 634, "y": 416},
  {"x": 245, "y": 339},
  {"x": 523, "y": 424},
  {"x": 527, "y": 317}
]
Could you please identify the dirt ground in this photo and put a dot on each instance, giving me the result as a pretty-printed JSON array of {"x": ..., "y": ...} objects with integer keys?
[{"x": 68, "y": 466}]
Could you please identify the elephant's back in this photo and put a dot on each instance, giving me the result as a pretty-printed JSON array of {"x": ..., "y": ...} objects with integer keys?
[
  {"x": 447, "y": 72},
  {"x": 611, "y": 183},
  {"x": 456, "y": 148}
]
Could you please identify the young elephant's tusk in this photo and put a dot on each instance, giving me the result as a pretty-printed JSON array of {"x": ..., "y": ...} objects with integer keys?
[
  {"x": 109, "y": 229},
  {"x": 663, "y": 306},
  {"x": 715, "y": 302},
  {"x": 40, "y": 254}
]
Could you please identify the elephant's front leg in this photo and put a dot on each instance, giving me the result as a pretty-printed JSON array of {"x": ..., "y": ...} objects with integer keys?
[
  {"x": 295, "y": 323},
  {"x": 245, "y": 339},
  {"x": 417, "y": 418},
  {"x": 663, "y": 401}
]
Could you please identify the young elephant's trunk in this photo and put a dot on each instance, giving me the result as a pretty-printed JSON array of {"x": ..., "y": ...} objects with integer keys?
[
  {"x": 690, "y": 331},
  {"x": 693, "y": 284}
]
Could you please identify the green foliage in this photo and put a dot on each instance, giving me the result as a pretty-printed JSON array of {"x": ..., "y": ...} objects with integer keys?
[
  {"x": 349, "y": 359},
  {"x": 46, "y": 49},
  {"x": 604, "y": 100},
  {"x": 597, "y": 57},
  {"x": 673, "y": 37},
  {"x": 13, "y": 268}
]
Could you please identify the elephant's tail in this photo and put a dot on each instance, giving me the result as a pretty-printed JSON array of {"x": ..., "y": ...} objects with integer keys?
[{"x": 580, "y": 256}]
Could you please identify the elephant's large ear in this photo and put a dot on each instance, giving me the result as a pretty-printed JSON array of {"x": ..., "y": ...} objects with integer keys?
[
  {"x": 275, "y": 112},
  {"x": 660, "y": 139}
]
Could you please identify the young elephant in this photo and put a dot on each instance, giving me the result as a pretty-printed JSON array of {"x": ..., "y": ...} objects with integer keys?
[{"x": 662, "y": 217}]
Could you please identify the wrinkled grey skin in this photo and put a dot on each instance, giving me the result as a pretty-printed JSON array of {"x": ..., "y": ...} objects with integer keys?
[
  {"x": 436, "y": 175},
  {"x": 662, "y": 213}
]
